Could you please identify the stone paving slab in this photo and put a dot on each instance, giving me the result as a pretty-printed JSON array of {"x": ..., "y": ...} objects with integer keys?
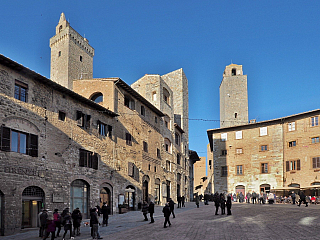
[{"x": 248, "y": 221}]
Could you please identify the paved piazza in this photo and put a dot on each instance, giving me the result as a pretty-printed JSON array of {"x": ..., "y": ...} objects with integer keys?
[{"x": 248, "y": 221}]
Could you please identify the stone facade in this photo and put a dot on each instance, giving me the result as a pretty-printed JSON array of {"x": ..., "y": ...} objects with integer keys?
[
  {"x": 200, "y": 176},
  {"x": 233, "y": 97},
  {"x": 77, "y": 141},
  {"x": 261, "y": 156}
]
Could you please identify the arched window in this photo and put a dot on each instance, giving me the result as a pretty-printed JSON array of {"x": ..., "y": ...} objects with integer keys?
[
  {"x": 60, "y": 28},
  {"x": 98, "y": 98},
  {"x": 233, "y": 72},
  {"x": 79, "y": 194}
]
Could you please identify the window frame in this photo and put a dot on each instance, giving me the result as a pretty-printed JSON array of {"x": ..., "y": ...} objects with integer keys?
[
  {"x": 129, "y": 102},
  {"x": 291, "y": 126},
  {"x": 145, "y": 146},
  {"x": 263, "y": 148},
  {"x": 314, "y": 140},
  {"x": 239, "y": 150},
  {"x": 224, "y": 152},
  {"x": 62, "y": 116},
  {"x": 239, "y": 170},
  {"x": 315, "y": 162},
  {"x": 292, "y": 144},
  {"x": 264, "y": 168},
  {"x": 314, "y": 121},
  {"x": 293, "y": 165},
  {"x": 128, "y": 139},
  {"x": 224, "y": 171},
  {"x": 263, "y": 131},
  {"x": 20, "y": 96}
]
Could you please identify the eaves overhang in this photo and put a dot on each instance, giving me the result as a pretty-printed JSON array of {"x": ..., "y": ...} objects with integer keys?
[{"x": 37, "y": 77}]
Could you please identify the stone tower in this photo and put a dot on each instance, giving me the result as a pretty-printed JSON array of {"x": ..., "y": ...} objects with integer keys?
[
  {"x": 233, "y": 97},
  {"x": 71, "y": 55}
]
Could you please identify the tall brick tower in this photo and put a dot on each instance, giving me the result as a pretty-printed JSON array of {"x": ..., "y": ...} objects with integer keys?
[
  {"x": 233, "y": 97},
  {"x": 71, "y": 55}
]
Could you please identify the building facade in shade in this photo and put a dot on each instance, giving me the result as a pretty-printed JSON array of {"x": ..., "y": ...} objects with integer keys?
[
  {"x": 261, "y": 156},
  {"x": 74, "y": 141},
  {"x": 200, "y": 177}
]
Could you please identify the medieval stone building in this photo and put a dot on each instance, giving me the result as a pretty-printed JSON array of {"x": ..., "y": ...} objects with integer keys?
[
  {"x": 260, "y": 156},
  {"x": 74, "y": 141}
]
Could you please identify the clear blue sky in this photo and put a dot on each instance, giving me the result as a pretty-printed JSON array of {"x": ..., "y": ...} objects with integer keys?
[{"x": 277, "y": 42}]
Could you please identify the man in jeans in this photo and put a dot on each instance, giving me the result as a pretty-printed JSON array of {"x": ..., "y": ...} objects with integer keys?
[{"x": 94, "y": 223}]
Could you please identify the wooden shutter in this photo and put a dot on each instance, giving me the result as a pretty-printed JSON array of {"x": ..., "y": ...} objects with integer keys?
[
  {"x": 130, "y": 169},
  {"x": 136, "y": 173},
  {"x": 82, "y": 158},
  {"x": 287, "y": 166},
  {"x": 298, "y": 164},
  {"x": 95, "y": 161},
  {"x": 32, "y": 145},
  {"x": 109, "y": 131},
  {"x": 88, "y": 117},
  {"x": 5, "y": 139}
]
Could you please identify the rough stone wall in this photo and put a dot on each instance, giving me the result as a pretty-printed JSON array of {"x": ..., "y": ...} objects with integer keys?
[
  {"x": 233, "y": 99},
  {"x": 199, "y": 173},
  {"x": 57, "y": 164},
  {"x": 251, "y": 159}
]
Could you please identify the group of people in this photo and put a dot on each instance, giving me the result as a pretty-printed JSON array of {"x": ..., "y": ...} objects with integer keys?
[
  {"x": 52, "y": 222},
  {"x": 167, "y": 210},
  {"x": 220, "y": 201}
]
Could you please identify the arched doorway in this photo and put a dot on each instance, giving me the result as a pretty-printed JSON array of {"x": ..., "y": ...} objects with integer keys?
[
  {"x": 265, "y": 188},
  {"x": 79, "y": 196},
  {"x": 130, "y": 197},
  {"x": 106, "y": 196},
  {"x": 145, "y": 187},
  {"x": 157, "y": 191},
  {"x": 1, "y": 213},
  {"x": 241, "y": 189},
  {"x": 32, "y": 202}
]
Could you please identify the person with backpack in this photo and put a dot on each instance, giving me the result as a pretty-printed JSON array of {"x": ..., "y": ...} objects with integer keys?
[
  {"x": 77, "y": 218},
  {"x": 67, "y": 223}
]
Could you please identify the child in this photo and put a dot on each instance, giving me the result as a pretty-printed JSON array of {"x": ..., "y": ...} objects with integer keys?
[{"x": 229, "y": 205}]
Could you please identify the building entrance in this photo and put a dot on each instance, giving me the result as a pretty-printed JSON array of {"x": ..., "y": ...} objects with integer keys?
[
  {"x": 32, "y": 203},
  {"x": 265, "y": 188},
  {"x": 106, "y": 196}
]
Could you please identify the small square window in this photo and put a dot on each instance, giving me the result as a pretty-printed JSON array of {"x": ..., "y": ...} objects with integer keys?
[
  {"x": 239, "y": 151},
  {"x": 264, "y": 148},
  {"x": 20, "y": 91},
  {"x": 315, "y": 140},
  {"x": 263, "y": 131},
  {"x": 239, "y": 170},
  {"x": 59, "y": 54},
  {"x": 291, "y": 126},
  {"x": 62, "y": 116},
  {"x": 292, "y": 144}
]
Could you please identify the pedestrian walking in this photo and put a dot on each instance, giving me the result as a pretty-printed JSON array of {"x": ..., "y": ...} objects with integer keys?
[
  {"x": 151, "y": 211},
  {"x": 293, "y": 196},
  {"x": 228, "y": 204},
  {"x": 254, "y": 197},
  {"x": 105, "y": 210},
  {"x": 94, "y": 223},
  {"x": 179, "y": 202},
  {"x": 77, "y": 218},
  {"x": 67, "y": 224},
  {"x": 171, "y": 206},
  {"x": 43, "y": 221},
  {"x": 57, "y": 221},
  {"x": 144, "y": 210},
  {"x": 166, "y": 212},
  {"x": 197, "y": 201},
  {"x": 302, "y": 198},
  {"x": 223, "y": 204},
  {"x": 50, "y": 227},
  {"x": 182, "y": 201}
]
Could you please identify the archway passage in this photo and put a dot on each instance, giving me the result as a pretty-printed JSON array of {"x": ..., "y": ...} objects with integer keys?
[
  {"x": 240, "y": 188},
  {"x": 32, "y": 203},
  {"x": 106, "y": 196},
  {"x": 145, "y": 188},
  {"x": 130, "y": 197},
  {"x": 79, "y": 196}
]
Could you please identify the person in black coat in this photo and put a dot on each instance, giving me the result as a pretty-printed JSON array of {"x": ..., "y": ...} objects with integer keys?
[
  {"x": 94, "y": 223},
  {"x": 223, "y": 204},
  {"x": 67, "y": 224},
  {"x": 216, "y": 199},
  {"x": 229, "y": 205},
  {"x": 166, "y": 212},
  {"x": 302, "y": 198},
  {"x": 105, "y": 210},
  {"x": 77, "y": 218},
  {"x": 171, "y": 206},
  {"x": 151, "y": 211}
]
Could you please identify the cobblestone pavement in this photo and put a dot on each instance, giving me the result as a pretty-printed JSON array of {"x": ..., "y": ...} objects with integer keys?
[{"x": 248, "y": 221}]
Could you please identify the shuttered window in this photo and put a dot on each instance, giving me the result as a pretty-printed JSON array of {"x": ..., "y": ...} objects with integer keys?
[{"x": 88, "y": 159}]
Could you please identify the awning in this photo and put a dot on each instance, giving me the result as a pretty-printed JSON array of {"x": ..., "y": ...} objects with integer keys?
[
  {"x": 285, "y": 188},
  {"x": 311, "y": 186}
]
